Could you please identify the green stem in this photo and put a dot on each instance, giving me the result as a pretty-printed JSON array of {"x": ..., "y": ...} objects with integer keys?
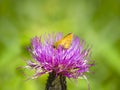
[{"x": 56, "y": 82}]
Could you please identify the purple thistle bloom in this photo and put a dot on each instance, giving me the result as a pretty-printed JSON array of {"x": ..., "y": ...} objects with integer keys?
[{"x": 73, "y": 62}]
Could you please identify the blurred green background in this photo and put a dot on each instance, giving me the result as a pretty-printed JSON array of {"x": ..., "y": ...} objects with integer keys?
[{"x": 96, "y": 21}]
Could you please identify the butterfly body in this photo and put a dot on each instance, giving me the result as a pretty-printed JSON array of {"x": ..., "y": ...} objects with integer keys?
[{"x": 65, "y": 42}]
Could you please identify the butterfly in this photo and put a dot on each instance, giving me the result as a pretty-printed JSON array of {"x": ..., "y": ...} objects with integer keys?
[{"x": 65, "y": 42}]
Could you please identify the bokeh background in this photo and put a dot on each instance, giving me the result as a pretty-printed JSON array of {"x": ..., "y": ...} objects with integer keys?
[{"x": 96, "y": 21}]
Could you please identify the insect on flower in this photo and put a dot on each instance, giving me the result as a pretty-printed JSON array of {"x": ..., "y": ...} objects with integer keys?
[
  {"x": 65, "y": 42},
  {"x": 64, "y": 56}
]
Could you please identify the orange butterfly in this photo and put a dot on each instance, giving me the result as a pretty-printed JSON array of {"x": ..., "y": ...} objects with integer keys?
[{"x": 65, "y": 42}]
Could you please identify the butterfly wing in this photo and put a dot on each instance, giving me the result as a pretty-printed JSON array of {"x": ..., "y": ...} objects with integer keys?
[{"x": 65, "y": 42}]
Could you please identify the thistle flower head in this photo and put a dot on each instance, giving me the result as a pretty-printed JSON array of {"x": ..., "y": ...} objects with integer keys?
[{"x": 71, "y": 62}]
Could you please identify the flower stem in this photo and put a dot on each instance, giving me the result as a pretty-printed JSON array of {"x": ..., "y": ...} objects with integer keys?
[{"x": 56, "y": 82}]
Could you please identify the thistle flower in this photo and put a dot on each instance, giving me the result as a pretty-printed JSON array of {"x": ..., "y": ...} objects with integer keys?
[{"x": 59, "y": 56}]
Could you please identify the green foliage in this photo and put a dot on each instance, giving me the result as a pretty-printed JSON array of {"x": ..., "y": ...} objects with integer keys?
[{"x": 96, "y": 21}]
